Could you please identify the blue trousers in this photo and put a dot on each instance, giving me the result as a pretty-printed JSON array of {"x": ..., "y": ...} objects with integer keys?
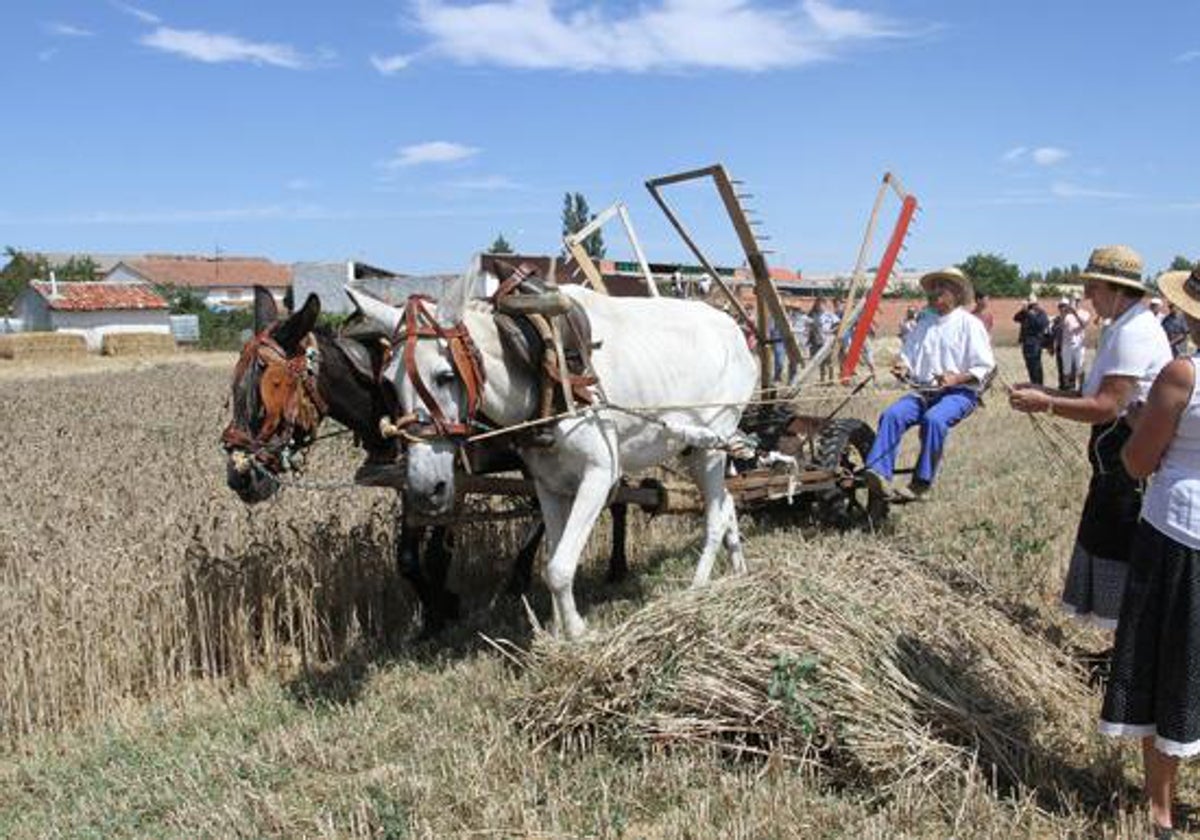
[{"x": 936, "y": 414}]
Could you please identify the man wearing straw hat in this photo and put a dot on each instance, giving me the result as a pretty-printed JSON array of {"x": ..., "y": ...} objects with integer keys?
[
  {"x": 1153, "y": 692},
  {"x": 945, "y": 358},
  {"x": 1132, "y": 351}
]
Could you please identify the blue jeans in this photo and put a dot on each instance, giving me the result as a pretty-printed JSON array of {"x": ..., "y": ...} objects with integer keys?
[{"x": 936, "y": 414}]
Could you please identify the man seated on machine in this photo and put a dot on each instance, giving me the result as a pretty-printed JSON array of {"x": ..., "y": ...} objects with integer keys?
[{"x": 946, "y": 359}]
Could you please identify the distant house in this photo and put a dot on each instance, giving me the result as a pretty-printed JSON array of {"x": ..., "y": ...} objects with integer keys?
[
  {"x": 327, "y": 281},
  {"x": 223, "y": 282},
  {"x": 92, "y": 310}
]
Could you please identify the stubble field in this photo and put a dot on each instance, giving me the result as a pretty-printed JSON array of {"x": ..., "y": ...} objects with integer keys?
[{"x": 176, "y": 665}]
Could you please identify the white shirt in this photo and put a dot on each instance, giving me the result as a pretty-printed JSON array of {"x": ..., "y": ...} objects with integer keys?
[
  {"x": 956, "y": 342},
  {"x": 1172, "y": 504},
  {"x": 1134, "y": 345},
  {"x": 1075, "y": 328}
]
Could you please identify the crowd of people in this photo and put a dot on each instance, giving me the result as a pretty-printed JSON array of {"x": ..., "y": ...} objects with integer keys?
[{"x": 1135, "y": 565}]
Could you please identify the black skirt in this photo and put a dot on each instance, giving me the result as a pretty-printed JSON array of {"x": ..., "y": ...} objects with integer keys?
[
  {"x": 1154, "y": 686},
  {"x": 1114, "y": 499}
]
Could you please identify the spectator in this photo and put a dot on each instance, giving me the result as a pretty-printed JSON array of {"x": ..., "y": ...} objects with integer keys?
[
  {"x": 910, "y": 321},
  {"x": 1176, "y": 328},
  {"x": 982, "y": 312},
  {"x": 1035, "y": 325},
  {"x": 868, "y": 352},
  {"x": 800, "y": 321},
  {"x": 1157, "y": 308},
  {"x": 1132, "y": 351},
  {"x": 822, "y": 329},
  {"x": 1153, "y": 692},
  {"x": 1056, "y": 341},
  {"x": 946, "y": 357},
  {"x": 1073, "y": 335}
]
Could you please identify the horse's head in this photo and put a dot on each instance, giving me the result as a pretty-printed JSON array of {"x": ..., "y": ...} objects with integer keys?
[
  {"x": 276, "y": 404},
  {"x": 438, "y": 376}
]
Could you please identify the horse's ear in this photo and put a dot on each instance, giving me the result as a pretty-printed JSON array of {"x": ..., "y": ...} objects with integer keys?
[
  {"x": 266, "y": 312},
  {"x": 298, "y": 325},
  {"x": 386, "y": 316},
  {"x": 454, "y": 298}
]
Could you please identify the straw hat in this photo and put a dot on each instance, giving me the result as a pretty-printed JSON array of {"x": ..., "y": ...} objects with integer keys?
[
  {"x": 951, "y": 276},
  {"x": 1182, "y": 288},
  {"x": 1117, "y": 264}
]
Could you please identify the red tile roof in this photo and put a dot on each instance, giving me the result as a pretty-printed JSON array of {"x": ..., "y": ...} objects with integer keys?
[
  {"x": 209, "y": 272},
  {"x": 86, "y": 297}
]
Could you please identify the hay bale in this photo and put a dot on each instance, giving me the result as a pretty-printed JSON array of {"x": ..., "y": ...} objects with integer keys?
[
  {"x": 864, "y": 665},
  {"x": 42, "y": 345},
  {"x": 137, "y": 344}
]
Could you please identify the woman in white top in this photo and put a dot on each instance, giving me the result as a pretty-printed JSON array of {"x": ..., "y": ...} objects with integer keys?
[
  {"x": 1132, "y": 351},
  {"x": 1154, "y": 688}
]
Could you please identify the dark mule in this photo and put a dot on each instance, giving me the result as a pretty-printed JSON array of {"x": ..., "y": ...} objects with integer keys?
[{"x": 291, "y": 375}]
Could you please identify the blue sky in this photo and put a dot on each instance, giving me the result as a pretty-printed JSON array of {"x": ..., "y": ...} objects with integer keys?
[{"x": 408, "y": 134}]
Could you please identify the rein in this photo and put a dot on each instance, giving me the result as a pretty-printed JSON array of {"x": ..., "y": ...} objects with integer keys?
[
  {"x": 420, "y": 323},
  {"x": 294, "y": 423}
]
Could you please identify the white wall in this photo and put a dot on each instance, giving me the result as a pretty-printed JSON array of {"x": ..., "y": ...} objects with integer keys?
[{"x": 93, "y": 326}]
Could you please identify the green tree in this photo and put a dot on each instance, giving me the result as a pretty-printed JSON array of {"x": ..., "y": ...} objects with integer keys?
[
  {"x": 993, "y": 275},
  {"x": 500, "y": 245},
  {"x": 21, "y": 268},
  {"x": 1181, "y": 263},
  {"x": 575, "y": 215}
]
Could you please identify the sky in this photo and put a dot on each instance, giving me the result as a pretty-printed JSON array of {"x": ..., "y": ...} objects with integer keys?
[{"x": 410, "y": 133}]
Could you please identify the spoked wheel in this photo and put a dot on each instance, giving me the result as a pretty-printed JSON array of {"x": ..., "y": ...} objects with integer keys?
[{"x": 843, "y": 446}]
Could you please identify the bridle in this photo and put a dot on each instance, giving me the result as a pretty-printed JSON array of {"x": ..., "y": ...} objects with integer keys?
[
  {"x": 287, "y": 427},
  {"x": 431, "y": 423}
]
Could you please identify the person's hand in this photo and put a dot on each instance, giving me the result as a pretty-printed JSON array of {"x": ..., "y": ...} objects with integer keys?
[
  {"x": 951, "y": 379},
  {"x": 899, "y": 369},
  {"x": 1029, "y": 400}
]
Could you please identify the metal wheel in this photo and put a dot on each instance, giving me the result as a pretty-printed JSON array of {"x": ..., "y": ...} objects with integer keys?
[{"x": 843, "y": 446}]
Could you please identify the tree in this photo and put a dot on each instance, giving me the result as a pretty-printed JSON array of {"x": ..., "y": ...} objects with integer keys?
[
  {"x": 500, "y": 246},
  {"x": 993, "y": 275},
  {"x": 22, "y": 267},
  {"x": 1181, "y": 263},
  {"x": 575, "y": 216}
]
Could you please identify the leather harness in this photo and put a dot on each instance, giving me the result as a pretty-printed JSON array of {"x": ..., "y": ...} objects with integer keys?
[
  {"x": 418, "y": 323},
  {"x": 295, "y": 421}
]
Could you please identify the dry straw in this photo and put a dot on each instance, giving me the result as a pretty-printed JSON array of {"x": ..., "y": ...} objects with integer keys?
[
  {"x": 137, "y": 344},
  {"x": 862, "y": 664},
  {"x": 40, "y": 345}
]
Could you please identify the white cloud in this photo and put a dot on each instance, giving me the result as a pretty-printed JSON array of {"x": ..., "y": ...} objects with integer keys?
[
  {"x": 298, "y": 184},
  {"x": 46, "y": 55},
  {"x": 1014, "y": 154},
  {"x": 141, "y": 14},
  {"x": 215, "y": 48},
  {"x": 68, "y": 30},
  {"x": 1065, "y": 189},
  {"x": 663, "y": 35},
  {"x": 1049, "y": 155},
  {"x": 435, "y": 151},
  {"x": 389, "y": 64},
  {"x": 1190, "y": 55}
]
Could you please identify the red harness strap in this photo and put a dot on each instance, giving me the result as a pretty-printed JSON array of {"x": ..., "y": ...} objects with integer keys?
[{"x": 468, "y": 364}]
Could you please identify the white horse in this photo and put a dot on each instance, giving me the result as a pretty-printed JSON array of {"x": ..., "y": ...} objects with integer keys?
[{"x": 683, "y": 367}]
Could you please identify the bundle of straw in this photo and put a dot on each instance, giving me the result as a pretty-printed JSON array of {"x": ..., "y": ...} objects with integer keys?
[
  {"x": 863, "y": 665},
  {"x": 41, "y": 345},
  {"x": 137, "y": 344}
]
